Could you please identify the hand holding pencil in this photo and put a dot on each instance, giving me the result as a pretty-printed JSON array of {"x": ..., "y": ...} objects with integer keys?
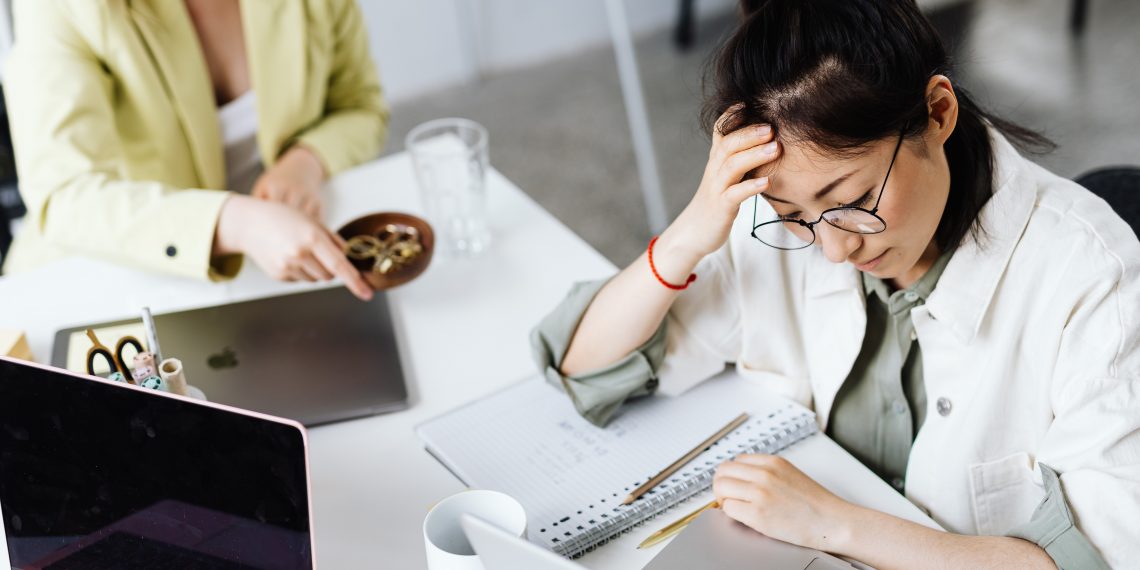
[{"x": 772, "y": 496}]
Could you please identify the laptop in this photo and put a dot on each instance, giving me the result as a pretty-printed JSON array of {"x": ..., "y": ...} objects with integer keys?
[
  {"x": 712, "y": 541},
  {"x": 316, "y": 357},
  {"x": 716, "y": 541},
  {"x": 99, "y": 474}
]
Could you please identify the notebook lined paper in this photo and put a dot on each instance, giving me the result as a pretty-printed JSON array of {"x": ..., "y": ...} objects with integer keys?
[{"x": 571, "y": 476}]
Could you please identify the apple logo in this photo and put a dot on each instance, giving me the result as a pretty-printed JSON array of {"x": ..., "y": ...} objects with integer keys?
[{"x": 227, "y": 358}]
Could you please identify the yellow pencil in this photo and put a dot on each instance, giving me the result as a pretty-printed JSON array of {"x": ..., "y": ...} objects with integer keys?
[{"x": 677, "y": 526}]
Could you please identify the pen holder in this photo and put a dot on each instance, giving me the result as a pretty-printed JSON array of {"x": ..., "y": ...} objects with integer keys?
[{"x": 172, "y": 374}]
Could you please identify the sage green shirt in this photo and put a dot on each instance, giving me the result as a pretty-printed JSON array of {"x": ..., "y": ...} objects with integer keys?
[{"x": 882, "y": 403}]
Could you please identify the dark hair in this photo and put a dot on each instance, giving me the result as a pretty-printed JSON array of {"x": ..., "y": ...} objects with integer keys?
[{"x": 841, "y": 74}]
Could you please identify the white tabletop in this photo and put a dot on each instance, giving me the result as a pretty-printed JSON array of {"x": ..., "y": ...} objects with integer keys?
[{"x": 463, "y": 328}]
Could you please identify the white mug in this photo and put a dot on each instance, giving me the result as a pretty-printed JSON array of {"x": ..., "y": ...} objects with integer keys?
[{"x": 446, "y": 543}]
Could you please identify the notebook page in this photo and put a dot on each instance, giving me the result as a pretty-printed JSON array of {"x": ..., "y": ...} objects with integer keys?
[{"x": 571, "y": 476}]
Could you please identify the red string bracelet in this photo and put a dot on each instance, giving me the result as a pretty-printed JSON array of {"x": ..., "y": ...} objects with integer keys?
[{"x": 653, "y": 268}]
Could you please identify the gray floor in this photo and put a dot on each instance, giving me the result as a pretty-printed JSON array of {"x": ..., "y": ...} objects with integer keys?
[{"x": 559, "y": 130}]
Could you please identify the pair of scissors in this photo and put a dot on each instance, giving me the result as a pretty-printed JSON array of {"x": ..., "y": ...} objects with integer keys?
[{"x": 120, "y": 370}]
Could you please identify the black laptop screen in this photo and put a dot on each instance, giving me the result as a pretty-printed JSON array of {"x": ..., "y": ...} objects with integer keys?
[{"x": 96, "y": 475}]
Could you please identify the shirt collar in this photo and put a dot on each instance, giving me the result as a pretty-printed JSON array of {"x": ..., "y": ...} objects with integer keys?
[{"x": 906, "y": 299}]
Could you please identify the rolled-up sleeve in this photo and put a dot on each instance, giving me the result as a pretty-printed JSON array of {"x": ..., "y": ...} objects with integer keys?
[
  {"x": 596, "y": 394},
  {"x": 1052, "y": 528}
]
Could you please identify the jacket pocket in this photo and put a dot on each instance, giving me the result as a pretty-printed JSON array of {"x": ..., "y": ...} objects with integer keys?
[{"x": 1004, "y": 493}]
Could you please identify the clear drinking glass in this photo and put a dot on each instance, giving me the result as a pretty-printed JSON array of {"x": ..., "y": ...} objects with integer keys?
[{"x": 450, "y": 160}]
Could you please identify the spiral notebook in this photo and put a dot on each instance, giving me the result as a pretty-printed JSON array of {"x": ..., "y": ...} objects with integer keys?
[{"x": 571, "y": 476}]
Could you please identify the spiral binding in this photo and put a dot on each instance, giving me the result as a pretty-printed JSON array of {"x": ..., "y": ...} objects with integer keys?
[{"x": 624, "y": 519}]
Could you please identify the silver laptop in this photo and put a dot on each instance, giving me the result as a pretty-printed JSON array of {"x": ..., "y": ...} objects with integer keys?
[
  {"x": 712, "y": 541},
  {"x": 716, "y": 541},
  {"x": 100, "y": 474},
  {"x": 315, "y": 357}
]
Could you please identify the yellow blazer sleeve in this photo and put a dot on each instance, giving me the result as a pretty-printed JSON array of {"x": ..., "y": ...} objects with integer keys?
[
  {"x": 355, "y": 124},
  {"x": 69, "y": 158}
]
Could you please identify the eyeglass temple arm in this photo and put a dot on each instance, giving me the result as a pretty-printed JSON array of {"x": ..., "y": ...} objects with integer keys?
[{"x": 890, "y": 167}]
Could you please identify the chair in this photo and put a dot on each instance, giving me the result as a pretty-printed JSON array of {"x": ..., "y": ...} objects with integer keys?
[{"x": 1120, "y": 187}]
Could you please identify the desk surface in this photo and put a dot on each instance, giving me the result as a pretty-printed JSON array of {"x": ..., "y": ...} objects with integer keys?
[{"x": 462, "y": 328}]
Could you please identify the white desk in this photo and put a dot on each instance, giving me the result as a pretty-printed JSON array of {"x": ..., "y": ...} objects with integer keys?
[{"x": 463, "y": 329}]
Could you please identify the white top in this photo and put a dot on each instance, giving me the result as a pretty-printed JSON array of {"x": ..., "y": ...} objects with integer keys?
[
  {"x": 1030, "y": 348},
  {"x": 238, "y": 121}
]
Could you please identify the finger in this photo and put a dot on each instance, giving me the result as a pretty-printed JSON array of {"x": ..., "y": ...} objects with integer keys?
[
  {"x": 741, "y": 511},
  {"x": 744, "y": 472},
  {"x": 739, "y": 489},
  {"x": 313, "y": 269},
  {"x": 314, "y": 207},
  {"x": 294, "y": 199},
  {"x": 725, "y": 118},
  {"x": 291, "y": 275},
  {"x": 745, "y": 138},
  {"x": 333, "y": 258},
  {"x": 271, "y": 192},
  {"x": 745, "y": 189},
  {"x": 736, "y": 166},
  {"x": 763, "y": 460},
  {"x": 259, "y": 188}
]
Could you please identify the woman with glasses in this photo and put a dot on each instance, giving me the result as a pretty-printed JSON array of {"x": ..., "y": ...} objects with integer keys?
[{"x": 867, "y": 241}]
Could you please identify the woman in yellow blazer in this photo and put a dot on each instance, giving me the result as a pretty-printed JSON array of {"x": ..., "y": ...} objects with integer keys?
[{"x": 114, "y": 116}]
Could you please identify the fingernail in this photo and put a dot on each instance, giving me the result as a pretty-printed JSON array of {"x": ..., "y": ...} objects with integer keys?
[
  {"x": 769, "y": 148},
  {"x": 762, "y": 181},
  {"x": 763, "y": 130}
]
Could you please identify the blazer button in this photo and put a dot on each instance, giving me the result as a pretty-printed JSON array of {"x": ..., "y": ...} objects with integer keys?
[
  {"x": 171, "y": 251},
  {"x": 944, "y": 406}
]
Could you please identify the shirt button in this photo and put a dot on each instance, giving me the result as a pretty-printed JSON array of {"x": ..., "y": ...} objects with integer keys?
[
  {"x": 910, "y": 296},
  {"x": 898, "y": 484},
  {"x": 171, "y": 251},
  {"x": 899, "y": 407},
  {"x": 913, "y": 335},
  {"x": 944, "y": 406}
]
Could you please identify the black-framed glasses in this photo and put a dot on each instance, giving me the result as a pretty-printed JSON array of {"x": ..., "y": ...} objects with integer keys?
[{"x": 794, "y": 233}]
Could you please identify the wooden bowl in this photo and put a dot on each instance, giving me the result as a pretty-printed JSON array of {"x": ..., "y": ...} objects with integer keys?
[{"x": 374, "y": 224}]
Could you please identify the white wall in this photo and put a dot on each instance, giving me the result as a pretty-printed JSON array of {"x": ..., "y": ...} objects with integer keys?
[
  {"x": 419, "y": 45},
  {"x": 424, "y": 45}
]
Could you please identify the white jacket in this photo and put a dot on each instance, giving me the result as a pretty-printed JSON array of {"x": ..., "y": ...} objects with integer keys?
[{"x": 1030, "y": 347}]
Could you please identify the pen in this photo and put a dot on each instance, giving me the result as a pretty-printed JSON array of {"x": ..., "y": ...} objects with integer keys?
[
  {"x": 677, "y": 526},
  {"x": 151, "y": 334},
  {"x": 665, "y": 473}
]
